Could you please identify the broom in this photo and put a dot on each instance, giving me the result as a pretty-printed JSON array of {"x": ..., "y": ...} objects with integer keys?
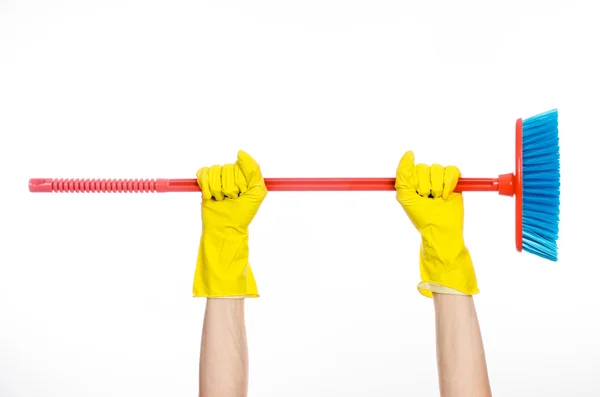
[{"x": 535, "y": 184}]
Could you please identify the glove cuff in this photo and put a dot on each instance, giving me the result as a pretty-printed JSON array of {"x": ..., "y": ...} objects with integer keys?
[
  {"x": 222, "y": 268},
  {"x": 428, "y": 288},
  {"x": 447, "y": 271}
]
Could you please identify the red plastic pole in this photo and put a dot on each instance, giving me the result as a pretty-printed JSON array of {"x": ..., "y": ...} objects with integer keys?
[{"x": 48, "y": 185}]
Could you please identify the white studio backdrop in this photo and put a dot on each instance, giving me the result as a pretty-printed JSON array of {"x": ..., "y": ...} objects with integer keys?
[{"x": 95, "y": 289}]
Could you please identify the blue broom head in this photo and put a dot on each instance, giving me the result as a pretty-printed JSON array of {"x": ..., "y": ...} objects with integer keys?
[{"x": 541, "y": 185}]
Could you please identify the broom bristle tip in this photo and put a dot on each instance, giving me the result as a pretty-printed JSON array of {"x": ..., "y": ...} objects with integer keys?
[{"x": 541, "y": 185}]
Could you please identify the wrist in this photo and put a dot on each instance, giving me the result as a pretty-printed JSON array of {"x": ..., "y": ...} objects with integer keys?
[
  {"x": 444, "y": 247},
  {"x": 224, "y": 235},
  {"x": 226, "y": 304}
]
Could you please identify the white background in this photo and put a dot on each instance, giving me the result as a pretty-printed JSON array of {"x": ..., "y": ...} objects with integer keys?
[{"x": 95, "y": 290}]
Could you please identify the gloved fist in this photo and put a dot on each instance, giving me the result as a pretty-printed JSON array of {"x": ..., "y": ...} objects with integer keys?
[
  {"x": 427, "y": 195},
  {"x": 231, "y": 196}
]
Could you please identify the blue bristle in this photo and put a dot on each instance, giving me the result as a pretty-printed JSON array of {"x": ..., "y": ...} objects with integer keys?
[{"x": 541, "y": 185}]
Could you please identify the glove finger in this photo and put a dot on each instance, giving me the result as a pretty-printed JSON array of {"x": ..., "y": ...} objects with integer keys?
[
  {"x": 423, "y": 180},
  {"x": 214, "y": 179},
  {"x": 202, "y": 178},
  {"x": 228, "y": 181},
  {"x": 451, "y": 175},
  {"x": 404, "y": 172},
  {"x": 437, "y": 180}
]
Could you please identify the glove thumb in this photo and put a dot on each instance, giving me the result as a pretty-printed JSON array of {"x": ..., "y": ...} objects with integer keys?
[
  {"x": 405, "y": 180},
  {"x": 251, "y": 171}
]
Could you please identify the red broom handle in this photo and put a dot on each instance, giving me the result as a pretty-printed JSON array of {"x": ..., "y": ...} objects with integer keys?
[{"x": 46, "y": 185}]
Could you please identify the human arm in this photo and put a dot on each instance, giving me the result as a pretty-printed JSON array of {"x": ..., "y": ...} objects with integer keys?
[
  {"x": 231, "y": 197},
  {"x": 427, "y": 195},
  {"x": 462, "y": 369},
  {"x": 224, "y": 350}
]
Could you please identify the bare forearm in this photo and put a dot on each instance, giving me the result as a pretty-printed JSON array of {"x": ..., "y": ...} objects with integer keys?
[
  {"x": 224, "y": 350},
  {"x": 462, "y": 366}
]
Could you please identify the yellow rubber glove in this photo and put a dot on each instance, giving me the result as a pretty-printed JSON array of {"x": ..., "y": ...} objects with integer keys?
[
  {"x": 427, "y": 195},
  {"x": 231, "y": 196}
]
